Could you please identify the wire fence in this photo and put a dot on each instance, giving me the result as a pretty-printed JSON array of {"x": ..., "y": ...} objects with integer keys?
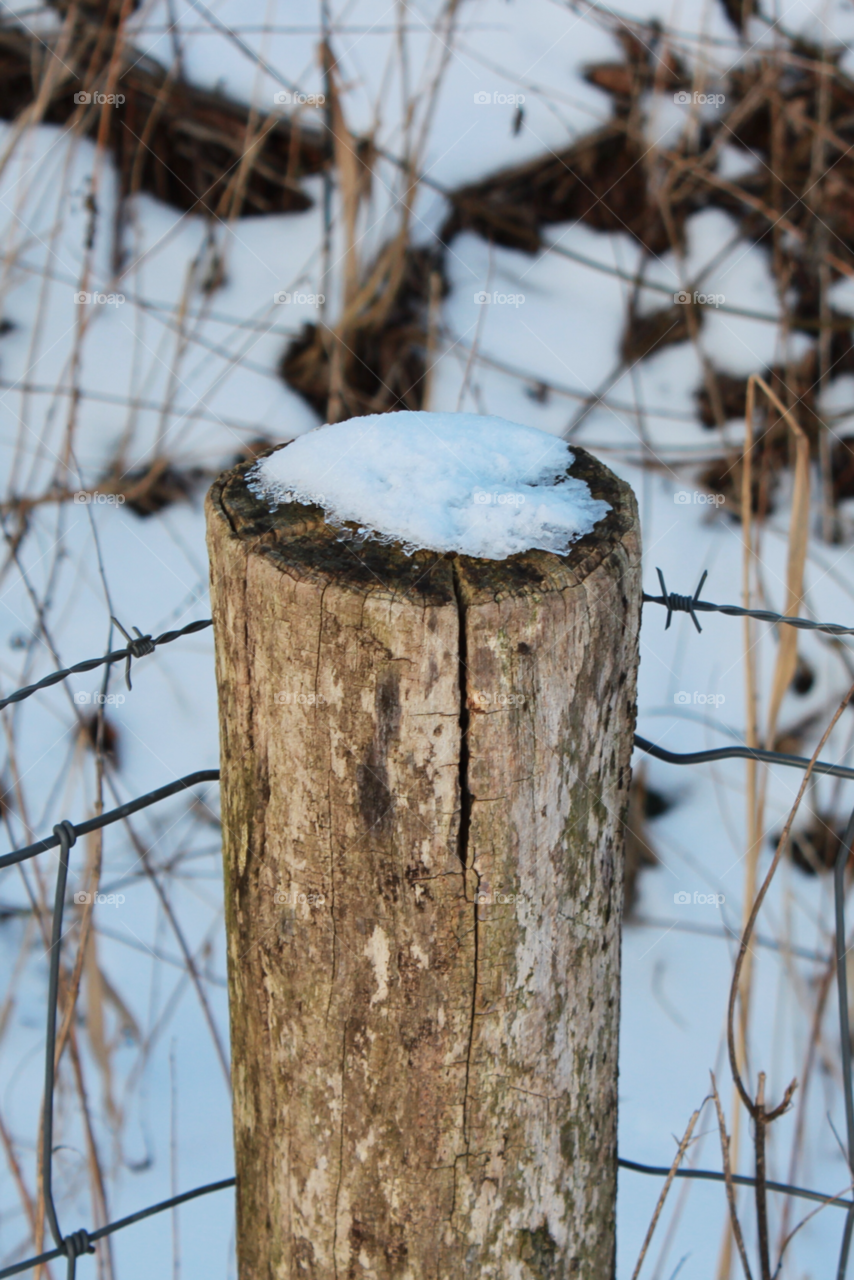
[{"x": 65, "y": 834}]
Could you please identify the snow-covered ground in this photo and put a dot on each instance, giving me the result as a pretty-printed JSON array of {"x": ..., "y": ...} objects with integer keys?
[{"x": 171, "y": 371}]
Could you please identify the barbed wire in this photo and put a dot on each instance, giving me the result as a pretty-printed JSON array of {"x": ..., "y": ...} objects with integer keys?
[
  {"x": 65, "y": 834},
  {"x": 674, "y": 603},
  {"x": 138, "y": 646},
  {"x": 82, "y": 1241}
]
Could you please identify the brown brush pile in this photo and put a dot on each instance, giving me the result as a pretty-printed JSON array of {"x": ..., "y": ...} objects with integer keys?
[
  {"x": 795, "y": 112},
  {"x": 814, "y": 847},
  {"x": 190, "y": 147},
  {"x": 382, "y": 353},
  {"x": 601, "y": 180}
]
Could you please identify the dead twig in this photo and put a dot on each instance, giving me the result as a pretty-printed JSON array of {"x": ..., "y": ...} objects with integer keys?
[{"x": 686, "y": 1138}]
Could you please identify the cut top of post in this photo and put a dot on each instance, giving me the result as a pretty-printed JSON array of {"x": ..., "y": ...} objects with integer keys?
[{"x": 300, "y": 541}]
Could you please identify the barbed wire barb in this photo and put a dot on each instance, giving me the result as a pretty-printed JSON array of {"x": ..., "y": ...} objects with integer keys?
[
  {"x": 686, "y": 604},
  {"x": 138, "y": 647}
]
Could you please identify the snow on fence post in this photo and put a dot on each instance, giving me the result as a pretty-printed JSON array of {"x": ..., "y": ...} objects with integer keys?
[{"x": 425, "y": 770}]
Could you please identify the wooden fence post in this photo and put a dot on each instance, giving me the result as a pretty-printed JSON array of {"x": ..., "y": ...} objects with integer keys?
[{"x": 425, "y": 771}]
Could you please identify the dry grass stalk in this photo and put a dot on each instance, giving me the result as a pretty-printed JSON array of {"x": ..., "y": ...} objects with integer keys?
[
  {"x": 784, "y": 670},
  {"x": 822, "y": 994},
  {"x": 677, "y": 1160},
  {"x": 730, "y": 1185}
]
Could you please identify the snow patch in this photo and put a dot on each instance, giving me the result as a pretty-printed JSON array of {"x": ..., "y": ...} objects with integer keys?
[{"x": 458, "y": 482}]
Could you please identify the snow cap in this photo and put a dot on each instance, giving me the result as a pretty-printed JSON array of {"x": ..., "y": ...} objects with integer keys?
[{"x": 459, "y": 482}]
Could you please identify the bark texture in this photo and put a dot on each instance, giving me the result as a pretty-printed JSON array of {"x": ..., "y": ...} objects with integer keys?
[{"x": 425, "y": 771}]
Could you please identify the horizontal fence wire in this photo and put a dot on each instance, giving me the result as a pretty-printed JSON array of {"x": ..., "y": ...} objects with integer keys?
[
  {"x": 738, "y": 753},
  {"x": 66, "y": 833},
  {"x": 741, "y": 1180},
  {"x": 17, "y": 1267},
  {"x": 113, "y": 815},
  {"x": 138, "y": 646}
]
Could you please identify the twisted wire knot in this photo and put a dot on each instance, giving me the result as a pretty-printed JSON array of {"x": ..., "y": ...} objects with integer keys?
[
  {"x": 78, "y": 1243},
  {"x": 679, "y": 604},
  {"x": 66, "y": 828},
  {"x": 141, "y": 646}
]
